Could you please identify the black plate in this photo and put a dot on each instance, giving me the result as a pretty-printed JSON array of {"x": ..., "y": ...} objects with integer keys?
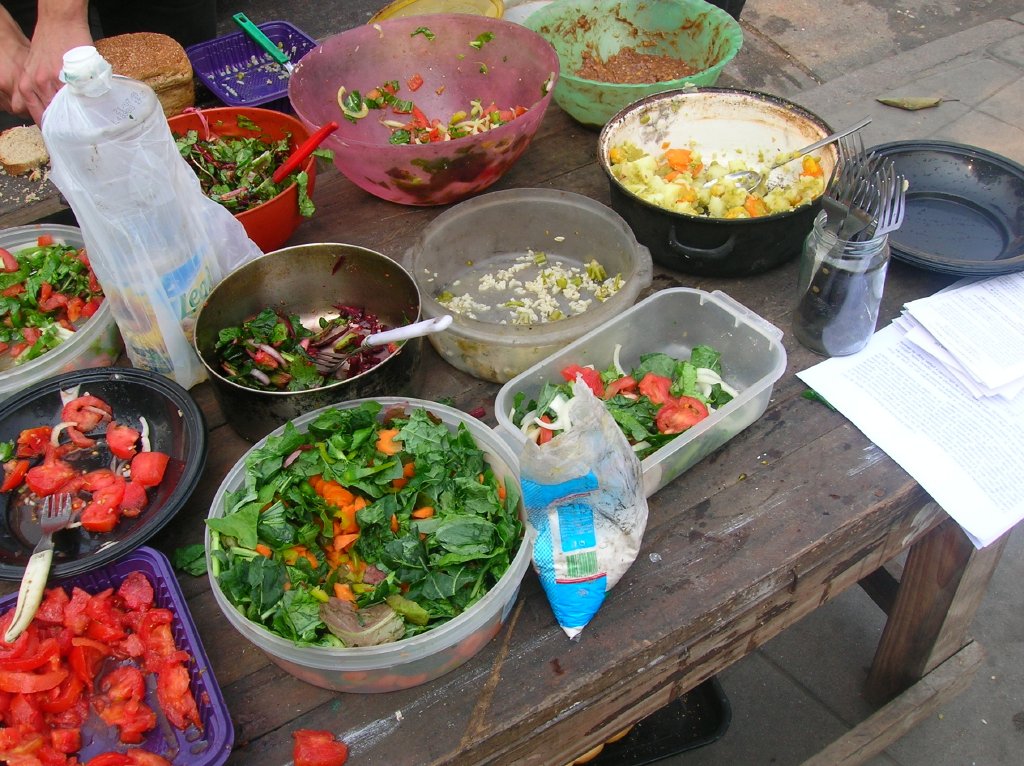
[
  {"x": 964, "y": 208},
  {"x": 176, "y": 427}
]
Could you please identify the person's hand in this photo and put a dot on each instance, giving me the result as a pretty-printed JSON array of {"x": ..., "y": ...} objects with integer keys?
[
  {"x": 57, "y": 31},
  {"x": 13, "y": 53}
]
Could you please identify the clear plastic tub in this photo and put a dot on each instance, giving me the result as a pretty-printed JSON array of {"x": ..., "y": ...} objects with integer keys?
[
  {"x": 96, "y": 344},
  {"x": 499, "y": 226},
  {"x": 410, "y": 661},
  {"x": 672, "y": 321}
]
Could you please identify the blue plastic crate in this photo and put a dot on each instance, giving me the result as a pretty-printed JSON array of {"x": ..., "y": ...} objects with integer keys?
[{"x": 240, "y": 73}]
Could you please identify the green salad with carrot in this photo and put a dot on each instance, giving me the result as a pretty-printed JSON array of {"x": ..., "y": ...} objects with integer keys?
[{"x": 369, "y": 527}]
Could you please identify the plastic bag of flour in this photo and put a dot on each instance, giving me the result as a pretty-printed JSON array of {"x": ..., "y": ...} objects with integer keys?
[{"x": 584, "y": 495}]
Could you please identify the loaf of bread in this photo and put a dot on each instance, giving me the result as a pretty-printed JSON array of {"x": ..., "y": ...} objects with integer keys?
[
  {"x": 22, "y": 150},
  {"x": 157, "y": 60}
]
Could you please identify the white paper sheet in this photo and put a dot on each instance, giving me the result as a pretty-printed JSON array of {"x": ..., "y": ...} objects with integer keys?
[
  {"x": 967, "y": 453},
  {"x": 981, "y": 325}
]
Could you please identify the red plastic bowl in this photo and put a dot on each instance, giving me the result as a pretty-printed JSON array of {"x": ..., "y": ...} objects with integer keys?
[
  {"x": 271, "y": 224},
  {"x": 458, "y": 63}
]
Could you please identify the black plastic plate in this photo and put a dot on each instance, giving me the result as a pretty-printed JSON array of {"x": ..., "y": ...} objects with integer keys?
[
  {"x": 963, "y": 208},
  {"x": 176, "y": 427}
]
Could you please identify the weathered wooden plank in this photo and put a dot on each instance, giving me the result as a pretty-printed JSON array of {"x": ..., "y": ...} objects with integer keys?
[
  {"x": 942, "y": 587},
  {"x": 873, "y": 735}
]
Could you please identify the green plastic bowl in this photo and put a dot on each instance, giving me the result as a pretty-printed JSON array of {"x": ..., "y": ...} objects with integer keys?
[{"x": 694, "y": 30}]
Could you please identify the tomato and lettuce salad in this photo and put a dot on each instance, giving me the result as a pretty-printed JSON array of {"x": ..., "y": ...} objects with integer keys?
[
  {"x": 238, "y": 172},
  {"x": 369, "y": 527},
  {"x": 44, "y": 461},
  {"x": 89, "y": 660},
  {"x": 652, "y": 403},
  {"x": 409, "y": 124},
  {"x": 46, "y": 290}
]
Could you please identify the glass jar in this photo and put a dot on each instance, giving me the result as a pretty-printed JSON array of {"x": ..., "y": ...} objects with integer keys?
[{"x": 840, "y": 291}]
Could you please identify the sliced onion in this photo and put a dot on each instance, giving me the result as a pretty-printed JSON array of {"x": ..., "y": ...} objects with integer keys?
[
  {"x": 615, "y": 360},
  {"x": 273, "y": 353},
  {"x": 261, "y": 376},
  {"x": 291, "y": 458},
  {"x": 706, "y": 375},
  {"x": 144, "y": 434},
  {"x": 55, "y": 432}
]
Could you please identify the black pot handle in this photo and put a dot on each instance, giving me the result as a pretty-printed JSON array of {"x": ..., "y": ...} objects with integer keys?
[{"x": 714, "y": 254}]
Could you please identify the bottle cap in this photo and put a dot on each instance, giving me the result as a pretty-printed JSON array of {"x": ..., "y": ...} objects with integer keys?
[{"x": 86, "y": 71}]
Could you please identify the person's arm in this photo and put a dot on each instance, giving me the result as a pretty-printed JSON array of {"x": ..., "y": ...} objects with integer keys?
[
  {"x": 13, "y": 52},
  {"x": 61, "y": 26}
]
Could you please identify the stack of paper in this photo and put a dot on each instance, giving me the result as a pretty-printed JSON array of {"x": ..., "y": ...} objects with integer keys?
[
  {"x": 975, "y": 330},
  {"x": 919, "y": 401}
]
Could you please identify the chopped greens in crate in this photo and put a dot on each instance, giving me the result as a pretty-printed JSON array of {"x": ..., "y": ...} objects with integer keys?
[
  {"x": 238, "y": 171},
  {"x": 369, "y": 527},
  {"x": 652, "y": 403}
]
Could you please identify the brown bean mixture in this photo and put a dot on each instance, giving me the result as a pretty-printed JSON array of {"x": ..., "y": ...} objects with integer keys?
[{"x": 628, "y": 66}]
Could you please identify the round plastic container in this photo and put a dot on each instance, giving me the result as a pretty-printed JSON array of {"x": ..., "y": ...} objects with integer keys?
[
  {"x": 399, "y": 8},
  {"x": 464, "y": 58},
  {"x": 97, "y": 342},
  {"x": 411, "y": 661},
  {"x": 692, "y": 30},
  {"x": 500, "y": 226}
]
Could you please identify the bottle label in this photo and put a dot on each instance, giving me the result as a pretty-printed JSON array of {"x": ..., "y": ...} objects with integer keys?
[{"x": 188, "y": 285}]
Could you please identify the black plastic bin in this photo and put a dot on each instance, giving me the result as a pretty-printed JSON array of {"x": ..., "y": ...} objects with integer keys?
[{"x": 698, "y": 718}]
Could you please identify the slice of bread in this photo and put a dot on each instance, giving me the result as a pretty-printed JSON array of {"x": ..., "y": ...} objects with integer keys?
[
  {"x": 22, "y": 150},
  {"x": 157, "y": 60}
]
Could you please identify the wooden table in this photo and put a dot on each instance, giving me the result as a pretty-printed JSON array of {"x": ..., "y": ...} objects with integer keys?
[{"x": 790, "y": 513}]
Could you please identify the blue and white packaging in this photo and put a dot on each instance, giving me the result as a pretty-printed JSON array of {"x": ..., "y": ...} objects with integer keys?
[{"x": 584, "y": 496}]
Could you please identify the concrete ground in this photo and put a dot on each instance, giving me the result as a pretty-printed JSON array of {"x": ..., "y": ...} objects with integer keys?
[{"x": 800, "y": 691}]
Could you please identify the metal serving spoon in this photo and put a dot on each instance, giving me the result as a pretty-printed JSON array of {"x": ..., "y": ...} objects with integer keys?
[{"x": 751, "y": 179}]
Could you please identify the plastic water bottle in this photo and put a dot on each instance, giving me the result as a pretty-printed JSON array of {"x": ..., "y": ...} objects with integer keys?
[{"x": 151, "y": 233}]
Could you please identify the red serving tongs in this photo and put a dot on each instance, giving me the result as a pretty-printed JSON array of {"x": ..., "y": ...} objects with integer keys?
[{"x": 303, "y": 151}]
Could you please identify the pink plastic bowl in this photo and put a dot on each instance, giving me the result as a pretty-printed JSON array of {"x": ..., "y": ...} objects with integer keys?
[{"x": 515, "y": 67}]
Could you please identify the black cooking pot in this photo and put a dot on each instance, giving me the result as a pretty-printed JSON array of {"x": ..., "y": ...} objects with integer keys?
[{"x": 729, "y": 123}]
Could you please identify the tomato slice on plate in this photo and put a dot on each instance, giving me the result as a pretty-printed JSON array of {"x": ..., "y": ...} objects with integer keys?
[
  {"x": 47, "y": 477},
  {"x": 14, "y": 473},
  {"x": 32, "y": 441},
  {"x": 86, "y": 412},
  {"x": 148, "y": 468},
  {"x": 656, "y": 388}
]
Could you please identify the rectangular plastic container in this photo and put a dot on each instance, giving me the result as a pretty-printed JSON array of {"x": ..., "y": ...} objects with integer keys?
[
  {"x": 240, "y": 73},
  {"x": 210, "y": 747},
  {"x": 671, "y": 321}
]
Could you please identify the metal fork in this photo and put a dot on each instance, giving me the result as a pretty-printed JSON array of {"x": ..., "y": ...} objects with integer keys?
[
  {"x": 55, "y": 516},
  {"x": 894, "y": 206},
  {"x": 845, "y": 183}
]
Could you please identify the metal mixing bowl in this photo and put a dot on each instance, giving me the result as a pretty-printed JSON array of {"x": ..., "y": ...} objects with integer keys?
[{"x": 308, "y": 280}]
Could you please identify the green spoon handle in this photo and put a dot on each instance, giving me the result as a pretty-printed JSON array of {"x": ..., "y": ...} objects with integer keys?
[{"x": 261, "y": 39}]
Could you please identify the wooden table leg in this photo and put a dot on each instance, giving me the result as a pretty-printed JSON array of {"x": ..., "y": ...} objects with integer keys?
[{"x": 943, "y": 583}]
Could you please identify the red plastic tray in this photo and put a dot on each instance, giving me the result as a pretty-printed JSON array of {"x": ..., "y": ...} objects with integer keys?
[
  {"x": 240, "y": 73},
  {"x": 191, "y": 747}
]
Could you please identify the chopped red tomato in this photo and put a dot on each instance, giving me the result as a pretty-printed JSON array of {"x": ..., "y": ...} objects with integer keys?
[
  {"x": 14, "y": 474},
  {"x": 591, "y": 377},
  {"x": 122, "y": 439},
  {"x": 44, "y": 240},
  {"x": 136, "y": 591},
  {"x": 544, "y": 435},
  {"x": 86, "y": 657},
  {"x": 109, "y": 759},
  {"x": 656, "y": 388},
  {"x": 134, "y": 501},
  {"x": 18, "y": 682},
  {"x": 148, "y": 468},
  {"x": 39, "y": 654},
  {"x": 678, "y": 415},
  {"x": 415, "y": 82},
  {"x": 172, "y": 690},
  {"x": 10, "y": 263},
  {"x": 32, "y": 442},
  {"x": 318, "y": 748},
  {"x": 66, "y": 741},
  {"x": 104, "y": 509},
  {"x": 61, "y": 698},
  {"x": 47, "y": 477},
  {"x": 624, "y": 385},
  {"x": 86, "y": 412}
]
